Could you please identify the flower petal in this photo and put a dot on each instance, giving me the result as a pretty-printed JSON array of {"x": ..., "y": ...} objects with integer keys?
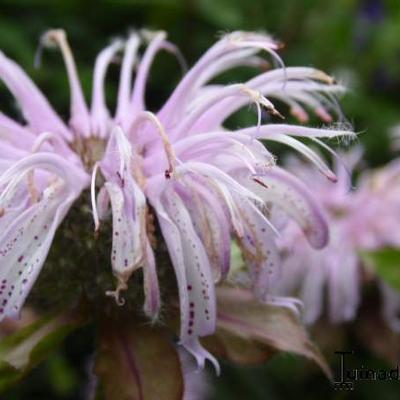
[
  {"x": 193, "y": 276},
  {"x": 343, "y": 284},
  {"x": 200, "y": 284},
  {"x": 123, "y": 112},
  {"x": 137, "y": 100},
  {"x": 210, "y": 223},
  {"x": 25, "y": 243},
  {"x": 80, "y": 118},
  {"x": 290, "y": 194},
  {"x": 151, "y": 287},
  {"x": 258, "y": 248},
  {"x": 127, "y": 252},
  {"x": 99, "y": 115},
  {"x": 35, "y": 108},
  {"x": 16, "y": 134},
  {"x": 269, "y": 130},
  {"x": 306, "y": 152}
]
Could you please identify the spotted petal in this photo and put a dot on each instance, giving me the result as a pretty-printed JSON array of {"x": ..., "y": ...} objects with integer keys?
[
  {"x": 127, "y": 252},
  {"x": 290, "y": 194},
  {"x": 193, "y": 272},
  {"x": 25, "y": 240}
]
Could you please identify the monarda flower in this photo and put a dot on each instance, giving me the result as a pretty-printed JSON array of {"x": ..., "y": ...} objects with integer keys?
[
  {"x": 178, "y": 170},
  {"x": 363, "y": 219}
]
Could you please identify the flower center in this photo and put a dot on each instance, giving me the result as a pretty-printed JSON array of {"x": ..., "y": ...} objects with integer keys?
[
  {"x": 90, "y": 150},
  {"x": 86, "y": 268}
]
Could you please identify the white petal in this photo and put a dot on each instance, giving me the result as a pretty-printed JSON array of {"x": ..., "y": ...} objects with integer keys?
[{"x": 25, "y": 243}]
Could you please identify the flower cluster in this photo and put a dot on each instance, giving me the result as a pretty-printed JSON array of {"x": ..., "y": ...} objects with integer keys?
[
  {"x": 361, "y": 219},
  {"x": 203, "y": 184}
]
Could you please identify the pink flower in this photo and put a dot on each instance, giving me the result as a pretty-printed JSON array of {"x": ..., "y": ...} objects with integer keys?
[
  {"x": 361, "y": 218},
  {"x": 204, "y": 184}
]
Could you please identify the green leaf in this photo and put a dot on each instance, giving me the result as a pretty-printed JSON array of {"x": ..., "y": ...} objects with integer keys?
[
  {"x": 386, "y": 264},
  {"x": 263, "y": 327},
  {"x": 26, "y": 348},
  {"x": 61, "y": 374},
  {"x": 137, "y": 361}
]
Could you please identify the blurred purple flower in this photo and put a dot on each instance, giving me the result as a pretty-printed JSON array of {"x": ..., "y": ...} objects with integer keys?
[
  {"x": 360, "y": 219},
  {"x": 372, "y": 10},
  {"x": 205, "y": 185}
]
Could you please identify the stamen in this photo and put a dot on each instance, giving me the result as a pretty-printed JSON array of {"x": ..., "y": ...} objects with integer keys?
[
  {"x": 298, "y": 112},
  {"x": 149, "y": 35},
  {"x": 42, "y": 138},
  {"x": 323, "y": 77},
  {"x": 121, "y": 178},
  {"x": 116, "y": 294},
  {"x": 244, "y": 39},
  {"x": 259, "y": 99},
  {"x": 169, "y": 150},
  {"x": 323, "y": 114},
  {"x": 33, "y": 192},
  {"x": 295, "y": 108},
  {"x": 38, "y": 55},
  {"x": 339, "y": 159},
  {"x": 260, "y": 183},
  {"x": 93, "y": 199}
]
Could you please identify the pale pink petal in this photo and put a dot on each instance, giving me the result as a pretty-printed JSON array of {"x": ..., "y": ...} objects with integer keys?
[
  {"x": 80, "y": 118},
  {"x": 36, "y": 110},
  {"x": 123, "y": 114},
  {"x": 99, "y": 114},
  {"x": 289, "y": 193}
]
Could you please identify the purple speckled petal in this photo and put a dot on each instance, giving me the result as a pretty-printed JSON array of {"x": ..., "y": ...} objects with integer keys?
[
  {"x": 292, "y": 195},
  {"x": 26, "y": 239}
]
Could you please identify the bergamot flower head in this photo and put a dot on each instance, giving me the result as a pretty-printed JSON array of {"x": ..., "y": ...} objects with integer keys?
[{"x": 178, "y": 169}]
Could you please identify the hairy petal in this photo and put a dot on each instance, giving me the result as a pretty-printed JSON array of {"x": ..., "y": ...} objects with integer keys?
[
  {"x": 306, "y": 152},
  {"x": 266, "y": 131}
]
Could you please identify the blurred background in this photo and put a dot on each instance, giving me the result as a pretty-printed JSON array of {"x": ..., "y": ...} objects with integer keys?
[{"x": 357, "y": 41}]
